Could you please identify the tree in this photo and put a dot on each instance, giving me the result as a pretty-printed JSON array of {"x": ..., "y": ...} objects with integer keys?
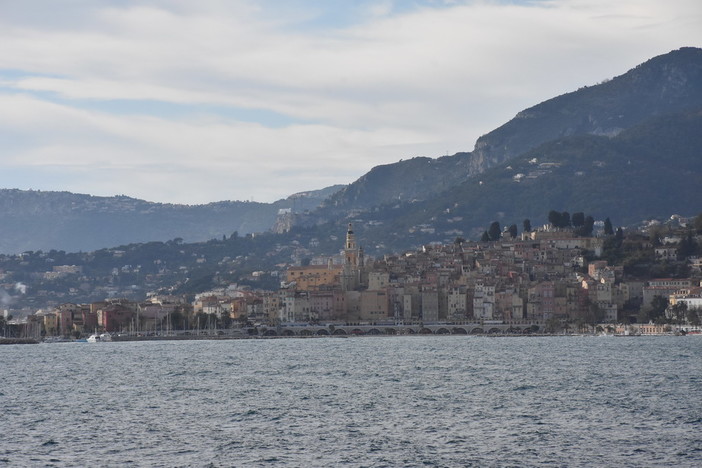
[
  {"x": 201, "y": 320},
  {"x": 594, "y": 314},
  {"x": 553, "y": 325},
  {"x": 485, "y": 237},
  {"x": 513, "y": 230},
  {"x": 630, "y": 308},
  {"x": 225, "y": 320},
  {"x": 554, "y": 217},
  {"x": 687, "y": 246},
  {"x": 658, "y": 306},
  {"x": 697, "y": 224},
  {"x": 584, "y": 227},
  {"x": 495, "y": 232},
  {"x": 527, "y": 225},
  {"x": 656, "y": 233},
  {"x": 608, "y": 230},
  {"x": 679, "y": 311},
  {"x": 244, "y": 320},
  {"x": 177, "y": 320},
  {"x": 565, "y": 219}
]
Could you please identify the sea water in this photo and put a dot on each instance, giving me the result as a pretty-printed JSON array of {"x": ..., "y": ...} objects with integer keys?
[{"x": 365, "y": 401}]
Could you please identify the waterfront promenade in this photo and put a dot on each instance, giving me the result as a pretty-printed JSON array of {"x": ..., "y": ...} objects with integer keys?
[{"x": 348, "y": 329}]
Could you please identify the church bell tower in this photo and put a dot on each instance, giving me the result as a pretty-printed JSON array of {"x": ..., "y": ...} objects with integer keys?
[
  {"x": 353, "y": 262},
  {"x": 350, "y": 250}
]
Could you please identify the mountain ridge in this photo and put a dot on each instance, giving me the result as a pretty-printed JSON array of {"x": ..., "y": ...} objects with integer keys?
[
  {"x": 651, "y": 170},
  {"x": 667, "y": 83},
  {"x": 42, "y": 220},
  {"x": 661, "y": 85},
  {"x": 593, "y": 117}
]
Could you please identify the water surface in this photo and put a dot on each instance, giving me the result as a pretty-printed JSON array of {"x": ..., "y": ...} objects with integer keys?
[{"x": 371, "y": 401}]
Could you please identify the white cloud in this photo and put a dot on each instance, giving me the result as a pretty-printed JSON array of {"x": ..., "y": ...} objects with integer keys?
[
  {"x": 242, "y": 156},
  {"x": 424, "y": 81}
]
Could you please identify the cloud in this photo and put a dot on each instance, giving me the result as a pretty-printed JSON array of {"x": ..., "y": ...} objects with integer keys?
[
  {"x": 143, "y": 155},
  {"x": 259, "y": 100}
]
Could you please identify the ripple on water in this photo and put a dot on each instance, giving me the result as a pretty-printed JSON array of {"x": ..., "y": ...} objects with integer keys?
[{"x": 398, "y": 401}]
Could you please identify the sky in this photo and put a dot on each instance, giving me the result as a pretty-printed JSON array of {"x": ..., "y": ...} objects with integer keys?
[{"x": 181, "y": 101}]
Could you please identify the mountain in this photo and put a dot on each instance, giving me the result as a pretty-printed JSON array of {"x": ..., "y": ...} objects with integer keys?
[
  {"x": 416, "y": 178},
  {"x": 665, "y": 84},
  {"x": 651, "y": 170},
  {"x": 40, "y": 220},
  {"x": 662, "y": 85},
  {"x": 627, "y": 148}
]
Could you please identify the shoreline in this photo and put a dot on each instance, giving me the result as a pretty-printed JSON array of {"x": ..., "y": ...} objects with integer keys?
[
  {"x": 11, "y": 341},
  {"x": 257, "y": 337}
]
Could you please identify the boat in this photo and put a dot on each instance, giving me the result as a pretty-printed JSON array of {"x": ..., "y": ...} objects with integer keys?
[{"x": 95, "y": 338}]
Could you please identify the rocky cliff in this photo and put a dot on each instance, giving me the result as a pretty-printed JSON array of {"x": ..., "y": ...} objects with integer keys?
[{"x": 665, "y": 84}]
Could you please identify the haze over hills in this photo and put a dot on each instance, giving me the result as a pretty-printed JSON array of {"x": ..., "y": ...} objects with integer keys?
[
  {"x": 627, "y": 148},
  {"x": 39, "y": 220}
]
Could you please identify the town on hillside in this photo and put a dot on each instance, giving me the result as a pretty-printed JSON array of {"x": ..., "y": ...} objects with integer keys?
[{"x": 556, "y": 279}]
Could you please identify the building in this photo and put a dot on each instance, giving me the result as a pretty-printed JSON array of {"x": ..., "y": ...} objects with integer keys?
[
  {"x": 312, "y": 277},
  {"x": 114, "y": 317},
  {"x": 663, "y": 287},
  {"x": 353, "y": 262}
]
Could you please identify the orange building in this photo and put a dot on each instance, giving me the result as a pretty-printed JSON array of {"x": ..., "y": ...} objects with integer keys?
[{"x": 312, "y": 277}]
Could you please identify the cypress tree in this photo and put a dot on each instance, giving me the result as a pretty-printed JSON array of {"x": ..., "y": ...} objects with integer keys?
[
  {"x": 495, "y": 232},
  {"x": 513, "y": 230},
  {"x": 554, "y": 217}
]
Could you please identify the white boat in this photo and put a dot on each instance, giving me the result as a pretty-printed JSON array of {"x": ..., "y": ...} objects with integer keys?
[{"x": 95, "y": 338}]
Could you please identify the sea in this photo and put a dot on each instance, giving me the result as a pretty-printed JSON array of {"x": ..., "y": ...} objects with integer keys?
[{"x": 408, "y": 401}]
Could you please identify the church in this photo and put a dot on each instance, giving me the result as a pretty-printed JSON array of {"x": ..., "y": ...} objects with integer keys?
[{"x": 331, "y": 291}]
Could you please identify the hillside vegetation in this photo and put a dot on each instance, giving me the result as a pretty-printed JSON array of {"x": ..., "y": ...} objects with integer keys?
[{"x": 651, "y": 170}]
